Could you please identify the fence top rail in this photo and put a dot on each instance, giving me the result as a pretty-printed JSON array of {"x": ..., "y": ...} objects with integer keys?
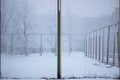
[
  {"x": 95, "y": 31},
  {"x": 42, "y": 34},
  {"x": 33, "y": 34}
]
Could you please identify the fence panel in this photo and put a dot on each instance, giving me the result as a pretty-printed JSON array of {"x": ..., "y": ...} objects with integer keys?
[{"x": 102, "y": 45}]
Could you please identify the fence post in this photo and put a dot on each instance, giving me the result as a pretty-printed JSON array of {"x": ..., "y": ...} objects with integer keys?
[
  {"x": 59, "y": 76},
  {"x": 118, "y": 43},
  {"x": 93, "y": 44},
  {"x": 89, "y": 46},
  {"x": 96, "y": 47},
  {"x": 108, "y": 44},
  {"x": 0, "y": 39},
  {"x": 26, "y": 44},
  {"x": 41, "y": 50},
  {"x": 69, "y": 45},
  {"x": 99, "y": 47},
  {"x": 85, "y": 47},
  {"x": 103, "y": 47},
  {"x": 114, "y": 51},
  {"x": 11, "y": 44}
]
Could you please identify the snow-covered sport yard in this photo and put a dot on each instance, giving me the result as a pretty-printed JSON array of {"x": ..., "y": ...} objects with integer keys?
[
  {"x": 59, "y": 40},
  {"x": 75, "y": 66}
]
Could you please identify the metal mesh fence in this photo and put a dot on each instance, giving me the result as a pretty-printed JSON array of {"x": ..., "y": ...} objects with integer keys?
[
  {"x": 14, "y": 44},
  {"x": 102, "y": 45}
]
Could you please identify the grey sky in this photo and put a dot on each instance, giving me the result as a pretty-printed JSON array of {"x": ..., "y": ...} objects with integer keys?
[
  {"x": 89, "y": 8},
  {"x": 82, "y": 8}
]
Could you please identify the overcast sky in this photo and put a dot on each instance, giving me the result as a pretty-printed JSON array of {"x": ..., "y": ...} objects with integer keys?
[
  {"x": 89, "y": 8},
  {"x": 82, "y": 8}
]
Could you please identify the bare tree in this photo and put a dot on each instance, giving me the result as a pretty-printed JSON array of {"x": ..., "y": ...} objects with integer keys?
[
  {"x": 8, "y": 12},
  {"x": 26, "y": 12}
]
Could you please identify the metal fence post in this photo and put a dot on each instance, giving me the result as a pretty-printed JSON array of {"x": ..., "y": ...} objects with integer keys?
[
  {"x": 87, "y": 46},
  {"x": 114, "y": 51},
  {"x": 59, "y": 76},
  {"x": 26, "y": 45},
  {"x": 103, "y": 46},
  {"x": 108, "y": 44},
  {"x": 69, "y": 45},
  {"x": 0, "y": 38},
  {"x": 11, "y": 44},
  {"x": 41, "y": 49},
  {"x": 93, "y": 44},
  {"x": 96, "y": 47},
  {"x": 90, "y": 45},
  {"x": 118, "y": 44},
  {"x": 99, "y": 47}
]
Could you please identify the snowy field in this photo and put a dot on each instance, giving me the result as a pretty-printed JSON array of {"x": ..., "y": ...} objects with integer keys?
[
  {"x": 64, "y": 79},
  {"x": 38, "y": 67}
]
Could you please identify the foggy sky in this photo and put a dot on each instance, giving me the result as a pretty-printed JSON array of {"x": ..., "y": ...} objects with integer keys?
[{"x": 82, "y": 8}]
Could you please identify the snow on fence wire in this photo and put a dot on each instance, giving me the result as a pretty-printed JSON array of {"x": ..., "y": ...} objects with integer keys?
[
  {"x": 102, "y": 45},
  {"x": 32, "y": 43}
]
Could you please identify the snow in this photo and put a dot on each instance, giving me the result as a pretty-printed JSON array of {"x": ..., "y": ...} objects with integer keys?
[
  {"x": 80, "y": 66},
  {"x": 36, "y": 67},
  {"x": 32, "y": 66},
  {"x": 64, "y": 79}
]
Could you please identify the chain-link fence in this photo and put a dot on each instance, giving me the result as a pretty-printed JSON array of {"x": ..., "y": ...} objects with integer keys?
[
  {"x": 14, "y": 44},
  {"x": 26, "y": 44},
  {"x": 102, "y": 45}
]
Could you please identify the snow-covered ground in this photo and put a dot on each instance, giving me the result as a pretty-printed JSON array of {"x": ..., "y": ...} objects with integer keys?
[
  {"x": 64, "y": 79},
  {"x": 36, "y": 67},
  {"x": 80, "y": 66}
]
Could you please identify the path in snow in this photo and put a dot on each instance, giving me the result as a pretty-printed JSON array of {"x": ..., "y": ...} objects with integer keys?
[{"x": 36, "y": 66}]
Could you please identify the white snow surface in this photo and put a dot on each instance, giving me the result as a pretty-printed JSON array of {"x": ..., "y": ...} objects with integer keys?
[
  {"x": 64, "y": 79},
  {"x": 36, "y": 67}
]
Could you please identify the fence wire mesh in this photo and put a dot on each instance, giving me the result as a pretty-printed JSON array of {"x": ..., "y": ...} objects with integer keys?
[{"x": 102, "y": 45}]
